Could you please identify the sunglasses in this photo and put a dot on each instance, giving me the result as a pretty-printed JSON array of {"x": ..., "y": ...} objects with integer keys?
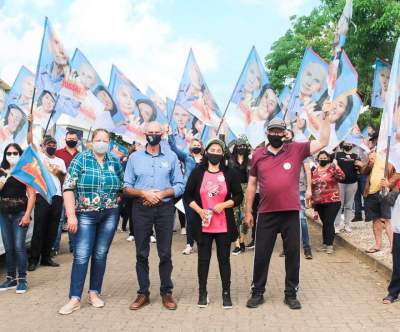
[{"x": 12, "y": 153}]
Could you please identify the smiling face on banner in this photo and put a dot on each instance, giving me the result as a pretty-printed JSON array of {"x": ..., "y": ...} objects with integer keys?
[
  {"x": 380, "y": 84},
  {"x": 125, "y": 100}
]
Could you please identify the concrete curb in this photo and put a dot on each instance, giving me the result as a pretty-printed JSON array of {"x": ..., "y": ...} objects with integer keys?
[{"x": 360, "y": 254}]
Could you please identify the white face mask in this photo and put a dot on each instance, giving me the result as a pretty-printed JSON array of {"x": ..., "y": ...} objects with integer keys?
[
  {"x": 12, "y": 160},
  {"x": 100, "y": 147}
]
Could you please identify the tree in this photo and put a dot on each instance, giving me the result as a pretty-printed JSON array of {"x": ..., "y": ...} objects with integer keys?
[{"x": 373, "y": 34}]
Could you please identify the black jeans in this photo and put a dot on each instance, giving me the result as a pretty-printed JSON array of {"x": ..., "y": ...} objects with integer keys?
[
  {"x": 255, "y": 206},
  {"x": 162, "y": 218},
  {"x": 327, "y": 213},
  {"x": 394, "y": 286},
  {"x": 223, "y": 243},
  {"x": 126, "y": 214},
  {"x": 268, "y": 226},
  {"x": 46, "y": 220}
]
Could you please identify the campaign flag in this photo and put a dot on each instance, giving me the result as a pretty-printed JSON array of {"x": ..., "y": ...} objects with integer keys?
[
  {"x": 194, "y": 95},
  {"x": 53, "y": 66},
  {"x": 31, "y": 171},
  {"x": 389, "y": 133},
  {"x": 13, "y": 121},
  {"x": 160, "y": 103},
  {"x": 356, "y": 138},
  {"x": 169, "y": 105},
  {"x": 284, "y": 98},
  {"x": 380, "y": 84},
  {"x": 253, "y": 103},
  {"x": 84, "y": 101},
  {"x": 118, "y": 149},
  {"x": 136, "y": 108},
  {"x": 342, "y": 29},
  {"x": 3, "y": 97}
]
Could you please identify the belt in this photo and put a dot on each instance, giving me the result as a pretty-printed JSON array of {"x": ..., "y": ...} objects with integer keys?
[{"x": 141, "y": 201}]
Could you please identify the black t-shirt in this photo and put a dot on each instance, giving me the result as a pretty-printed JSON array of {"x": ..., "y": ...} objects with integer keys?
[
  {"x": 13, "y": 189},
  {"x": 346, "y": 163}
]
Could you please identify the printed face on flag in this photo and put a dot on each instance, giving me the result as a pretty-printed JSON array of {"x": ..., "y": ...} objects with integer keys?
[
  {"x": 3, "y": 97},
  {"x": 160, "y": 105},
  {"x": 380, "y": 84},
  {"x": 137, "y": 109},
  {"x": 195, "y": 96},
  {"x": 254, "y": 103},
  {"x": 53, "y": 62}
]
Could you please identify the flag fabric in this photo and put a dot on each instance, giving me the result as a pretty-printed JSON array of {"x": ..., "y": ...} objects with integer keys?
[
  {"x": 380, "y": 84},
  {"x": 160, "y": 103},
  {"x": 84, "y": 101},
  {"x": 253, "y": 103},
  {"x": 3, "y": 98},
  {"x": 136, "y": 108},
  {"x": 356, "y": 138},
  {"x": 31, "y": 171},
  {"x": 53, "y": 66},
  {"x": 117, "y": 149},
  {"x": 284, "y": 98},
  {"x": 13, "y": 121},
  {"x": 389, "y": 133}
]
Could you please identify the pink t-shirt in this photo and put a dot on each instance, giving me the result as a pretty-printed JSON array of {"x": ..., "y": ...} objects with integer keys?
[{"x": 213, "y": 191}]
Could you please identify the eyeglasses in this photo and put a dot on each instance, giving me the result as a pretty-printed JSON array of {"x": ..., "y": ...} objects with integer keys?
[{"x": 12, "y": 153}]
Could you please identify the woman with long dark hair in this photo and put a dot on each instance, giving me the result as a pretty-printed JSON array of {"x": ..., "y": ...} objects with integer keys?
[
  {"x": 16, "y": 203},
  {"x": 212, "y": 191}
]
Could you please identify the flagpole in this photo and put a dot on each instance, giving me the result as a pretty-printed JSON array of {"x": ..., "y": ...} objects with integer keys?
[{"x": 48, "y": 123}]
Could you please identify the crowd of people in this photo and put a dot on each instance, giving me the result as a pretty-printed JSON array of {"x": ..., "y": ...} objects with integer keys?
[{"x": 226, "y": 192}]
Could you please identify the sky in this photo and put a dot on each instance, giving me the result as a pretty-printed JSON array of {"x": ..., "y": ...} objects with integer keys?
[{"x": 149, "y": 40}]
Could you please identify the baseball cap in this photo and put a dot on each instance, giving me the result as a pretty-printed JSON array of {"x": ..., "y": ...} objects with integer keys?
[
  {"x": 216, "y": 141},
  {"x": 49, "y": 139},
  {"x": 276, "y": 124}
]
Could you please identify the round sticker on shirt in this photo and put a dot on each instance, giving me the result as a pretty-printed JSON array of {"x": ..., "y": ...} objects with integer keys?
[
  {"x": 221, "y": 178},
  {"x": 111, "y": 168},
  {"x": 287, "y": 166}
]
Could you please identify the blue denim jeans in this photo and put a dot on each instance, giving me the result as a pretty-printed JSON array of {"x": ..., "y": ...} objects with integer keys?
[
  {"x": 303, "y": 221},
  {"x": 14, "y": 240},
  {"x": 95, "y": 233},
  {"x": 190, "y": 214}
]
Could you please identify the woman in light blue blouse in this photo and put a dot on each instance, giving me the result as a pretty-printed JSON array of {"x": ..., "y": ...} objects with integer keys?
[{"x": 91, "y": 190}]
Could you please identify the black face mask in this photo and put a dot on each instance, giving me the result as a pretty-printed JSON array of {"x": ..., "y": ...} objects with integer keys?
[
  {"x": 51, "y": 150},
  {"x": 275, "y": 141},
  {"x": 196, "y": 150},
  {"x": 347, "y": 148},
  {"x": 153, "y": 139},
  {"x": 242, "y": 151},
  {"x": 71, "y": 143},
  {"x": 214, "y": 159},
  {"x": 323, "y": 163}
]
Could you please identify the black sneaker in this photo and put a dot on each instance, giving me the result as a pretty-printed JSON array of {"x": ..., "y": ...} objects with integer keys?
[
  {"x": 292, "y": 302},
  {"x": 251, "y": 245},
  {"x": 236, "y": 251},
  {"x": 226, "y": 300},
  {"x": 32, "y": 266},
  {"x": 203, "y": 300},
  {"x": 242, "y": 247},
  {"x": 49, "y": 262},
  {"x": 308, "y": 253},
  {"x": 255, "y": 300}
]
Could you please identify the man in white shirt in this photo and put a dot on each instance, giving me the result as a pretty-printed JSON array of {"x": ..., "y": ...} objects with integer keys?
[{"x": 47, "y": 216}]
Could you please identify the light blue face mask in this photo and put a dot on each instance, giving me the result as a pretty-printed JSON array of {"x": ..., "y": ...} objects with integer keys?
[{"x": 100, "y": 147}]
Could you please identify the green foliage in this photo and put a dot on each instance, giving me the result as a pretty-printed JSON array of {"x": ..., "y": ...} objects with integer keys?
[{"x": 373, "y": 34}]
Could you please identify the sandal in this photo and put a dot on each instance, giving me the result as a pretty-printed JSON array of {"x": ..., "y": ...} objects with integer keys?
[
  {"x": 389, "y": 299},
  {"x": 372, "y": 250}
]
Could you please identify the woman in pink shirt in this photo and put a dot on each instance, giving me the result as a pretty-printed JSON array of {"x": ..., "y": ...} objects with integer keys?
[{"x": 212, "y": 191}]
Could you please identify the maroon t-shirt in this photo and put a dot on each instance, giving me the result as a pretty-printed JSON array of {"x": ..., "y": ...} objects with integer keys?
[
  {"x": 66, "y": 156},
  {"x": 278, "y": 176}
]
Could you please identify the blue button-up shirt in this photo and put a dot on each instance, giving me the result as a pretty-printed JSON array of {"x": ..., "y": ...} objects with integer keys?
[{"x": 145, "y": 171}]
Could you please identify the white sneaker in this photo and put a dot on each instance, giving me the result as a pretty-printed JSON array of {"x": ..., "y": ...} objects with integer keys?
[
  {"x": 69, "y": 308},
  {"x": 183, "y": 231},
  {"x": 153, "y": 239},
  {"x": 130, "y": 238},
  {"x": 329, "y": 250},
  {"x": 188, "y": 250}
]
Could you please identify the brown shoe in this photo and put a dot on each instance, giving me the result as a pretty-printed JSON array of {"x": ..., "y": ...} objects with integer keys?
[
  {"x": 169, "y": 302},
  {"x": 140, "y": 302}
]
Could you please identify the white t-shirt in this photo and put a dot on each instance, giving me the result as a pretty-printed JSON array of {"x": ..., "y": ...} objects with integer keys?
[{"x": 57, "y": 162}]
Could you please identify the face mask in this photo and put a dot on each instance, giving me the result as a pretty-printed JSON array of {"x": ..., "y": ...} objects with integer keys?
[
  {"x": 323, "y": 163},
  {"x": 214, "y": 159},
  {"x": 100, "y": 147},
  {"x": 242, "y": 151},
  {"x": 71, "y": 144},
  {"x": 51, "y": 150},
  {"x": 196, "y": 150},
  {"x": 347, "y": 147},
  {"x": 275, "y": 141},
  {"x": 153, "y": 139},
  {"x": 12, "y": 160}
]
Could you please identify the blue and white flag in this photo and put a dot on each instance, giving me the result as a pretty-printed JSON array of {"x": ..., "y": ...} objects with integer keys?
[{"x": 380, "y": 84}]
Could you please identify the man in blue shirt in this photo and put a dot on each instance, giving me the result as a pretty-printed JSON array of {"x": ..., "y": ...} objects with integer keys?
[{"x": 153, "y": 178}]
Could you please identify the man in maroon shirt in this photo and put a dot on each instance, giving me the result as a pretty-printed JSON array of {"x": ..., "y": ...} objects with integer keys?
[
  {"x": 276, "y": 168},
  {"x": 71, "y": 148}
]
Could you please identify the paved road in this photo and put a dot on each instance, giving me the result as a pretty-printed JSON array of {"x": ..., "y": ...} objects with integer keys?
[{"x": 338, "y": 293}]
